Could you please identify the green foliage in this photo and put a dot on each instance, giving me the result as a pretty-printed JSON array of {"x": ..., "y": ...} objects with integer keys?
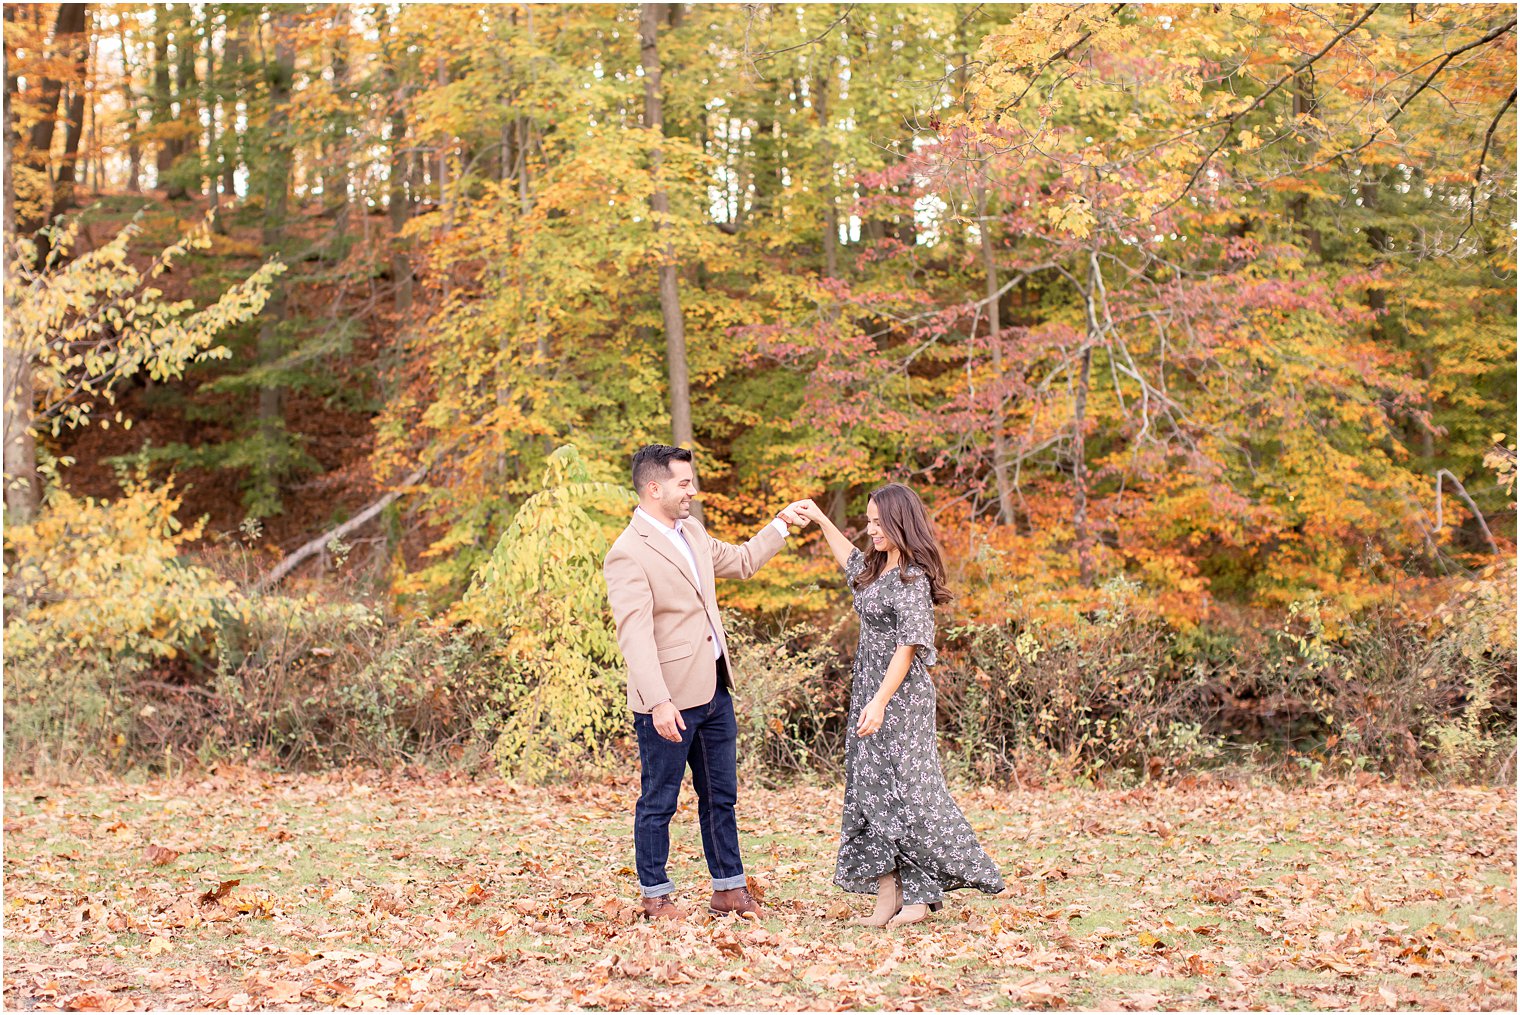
[
  {"x": 262, "y": 457},
  {"x": 541, "y": 601}
]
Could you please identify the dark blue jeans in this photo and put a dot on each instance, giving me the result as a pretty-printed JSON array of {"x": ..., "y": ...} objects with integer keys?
[{"x": 707, "y": 746}]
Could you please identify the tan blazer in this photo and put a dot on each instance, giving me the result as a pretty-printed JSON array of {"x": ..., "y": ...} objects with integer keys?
[{"x": 662, "y": 620}]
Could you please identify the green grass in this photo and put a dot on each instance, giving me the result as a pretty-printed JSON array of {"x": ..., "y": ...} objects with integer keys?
[{"x": 451, "y": 892}]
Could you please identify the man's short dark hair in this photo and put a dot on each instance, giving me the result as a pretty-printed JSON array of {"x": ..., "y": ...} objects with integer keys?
[{"x": 652, "y": 462}]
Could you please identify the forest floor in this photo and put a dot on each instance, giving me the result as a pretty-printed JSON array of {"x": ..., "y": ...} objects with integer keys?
[{"x": 244, "y": 890}]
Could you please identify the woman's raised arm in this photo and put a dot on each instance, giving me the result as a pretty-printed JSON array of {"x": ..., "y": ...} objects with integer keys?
[{"x": 841, "y": 547}]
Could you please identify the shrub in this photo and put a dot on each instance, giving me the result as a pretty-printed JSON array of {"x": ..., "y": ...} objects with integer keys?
[
  {"x": 792, "y": 701},
  {"x": 1093, "y": 696},
  {"x": 108, "y": 575},
  {"x": 540, "y": 606},
  {"x": 316, "y": 681},
  {"x": 98, "y": 598}
]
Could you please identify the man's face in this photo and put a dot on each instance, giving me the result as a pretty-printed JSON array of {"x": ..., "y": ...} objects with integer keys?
[{"x": 674, "y": 494}]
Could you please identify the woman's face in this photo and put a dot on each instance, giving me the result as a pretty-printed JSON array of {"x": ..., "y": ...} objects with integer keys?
[{"x": 879, "y": 540}]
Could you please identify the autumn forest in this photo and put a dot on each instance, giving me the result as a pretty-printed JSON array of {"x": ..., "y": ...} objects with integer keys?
[{"x": 330, "y": 329}]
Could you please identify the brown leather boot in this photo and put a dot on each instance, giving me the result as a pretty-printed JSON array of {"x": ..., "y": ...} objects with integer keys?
[
  {"x": 661, "y": 908},
  {"x": 734, "y": 900}
]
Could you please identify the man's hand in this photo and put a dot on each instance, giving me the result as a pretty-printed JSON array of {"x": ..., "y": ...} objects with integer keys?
[{"x": 668, "y": 722}]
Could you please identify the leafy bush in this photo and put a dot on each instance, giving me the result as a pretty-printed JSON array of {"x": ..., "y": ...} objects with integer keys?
[
  {"x": 540, "y": 606},
  {"x": 792, "y": 700},
  {"x": 120, "y": 651},
  {"x": 1090, "y": 697},
  {"x": 1405, "y": 696},
  {"x": 98, "y": 595},
  {"x": 314, "y": 681},
  {"x": 108, "y": 575}
]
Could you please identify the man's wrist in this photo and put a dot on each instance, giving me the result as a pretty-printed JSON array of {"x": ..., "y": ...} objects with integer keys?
[
  {"x": 662, "y": 701},
  {"x": 781, "y": 526}
]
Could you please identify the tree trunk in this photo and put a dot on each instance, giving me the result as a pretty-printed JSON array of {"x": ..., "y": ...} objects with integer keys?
[
  {"x": 1079, "y": 523},
  {"x": 93, "y": 163},
  {"x": 659, "y": 203},
  {"x": 1304, "y": 104},
  {"x": 185, "y": 86},
  {"x": 1379, "y": 241},
  {"x": 21, "y": 486},
  {"x": 399, "y": 194},
  {"x": 134, "y": 150},
  {"x": 20, "y": 450},
  {"x": 162, "y": 113},
  {"x": 1079, "y": 472},
  {"x": 443, "y": 161},
  {"x": 342, "y": 23},
  {"x": 276, "y": 197},
  {"x": 399, "y": 202},
  {"x": 232, "y": 61},
  {"x": 826, "y": 185},
  {"x": 215, "y": 133},
  {"x": 36, "y": 155},
  {"x": 994, "y": 336},
  {"x": 77, "y": 47},
  {"x": 12, "y": 134}
]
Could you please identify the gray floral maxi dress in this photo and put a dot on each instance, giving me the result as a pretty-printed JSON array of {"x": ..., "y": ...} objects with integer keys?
[{"x": 898, "y": 815}]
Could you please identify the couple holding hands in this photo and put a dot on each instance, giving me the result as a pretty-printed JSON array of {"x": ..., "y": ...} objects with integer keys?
[{"x": 902, "y": 836}]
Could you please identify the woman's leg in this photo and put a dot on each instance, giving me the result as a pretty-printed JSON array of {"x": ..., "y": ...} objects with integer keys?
[
  {"x": 888, "y": 901},
  {"x": 920, "y": 894}
]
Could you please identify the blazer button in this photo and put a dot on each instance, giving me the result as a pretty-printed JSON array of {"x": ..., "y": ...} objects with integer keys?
[{"x": 709, "y": 637}]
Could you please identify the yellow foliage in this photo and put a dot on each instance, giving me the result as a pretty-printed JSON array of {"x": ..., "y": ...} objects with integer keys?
[
  {"x": 106, "y": 576},
  {"x": 542, "y": 598},
  {"x": 87, "y": 324}
]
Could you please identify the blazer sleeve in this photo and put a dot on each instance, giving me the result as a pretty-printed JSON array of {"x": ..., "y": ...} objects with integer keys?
[
  {"x": 632, "y": 603},
  {"x": 730, "y": 561}
]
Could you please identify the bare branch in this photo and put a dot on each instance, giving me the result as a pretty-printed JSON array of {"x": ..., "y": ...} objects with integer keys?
[
  {"x": 1488, "y": 138},
  {"x": 1442, "y": 474},
  {"x": 315, "y": 546},
  {"x": 772, "y": 53}
]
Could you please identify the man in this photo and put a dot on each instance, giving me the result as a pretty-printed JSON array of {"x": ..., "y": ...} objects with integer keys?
[{"x": 660, "y": 575}]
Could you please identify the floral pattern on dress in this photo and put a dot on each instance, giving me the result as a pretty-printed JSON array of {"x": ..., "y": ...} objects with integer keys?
[{"x": 898, "y": 813}]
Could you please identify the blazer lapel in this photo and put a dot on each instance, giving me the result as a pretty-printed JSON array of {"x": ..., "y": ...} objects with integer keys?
[
  {"x": 662, "y": 546},
  {"x": 705, "y": 569}
]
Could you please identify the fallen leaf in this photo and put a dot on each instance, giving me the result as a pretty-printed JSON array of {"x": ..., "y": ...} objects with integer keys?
[
  {"x": 158, "y": 855},
  {"x": 219, "y": 892}
]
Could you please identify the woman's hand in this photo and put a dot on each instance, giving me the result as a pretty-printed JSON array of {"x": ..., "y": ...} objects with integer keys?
[
  {"x": 807, "y": 509},
  {"x": 839, "y": 546},
  {"x": 871, "y": 718}
]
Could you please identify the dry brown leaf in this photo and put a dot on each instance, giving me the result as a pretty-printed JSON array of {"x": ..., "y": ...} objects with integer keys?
[
  {"x": 158, "y": 855},
  {"x": 219, "y": 892}
]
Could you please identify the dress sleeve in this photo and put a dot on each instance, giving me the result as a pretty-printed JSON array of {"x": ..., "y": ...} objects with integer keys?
[
  {"x": 915, "y": 616},
  {"x": 855, "y": 565}
]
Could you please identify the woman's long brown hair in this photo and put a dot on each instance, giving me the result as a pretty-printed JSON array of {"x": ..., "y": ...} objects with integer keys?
[{"x": 907, "y": 524}]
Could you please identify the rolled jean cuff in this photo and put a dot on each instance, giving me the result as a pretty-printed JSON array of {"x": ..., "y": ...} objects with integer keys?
[
  {"x": 728, "y": 884},
  {"x": 658, "y": 890}
]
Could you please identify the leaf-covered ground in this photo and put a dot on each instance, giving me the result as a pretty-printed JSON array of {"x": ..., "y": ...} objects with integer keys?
[{"x": 433, "y": 892}]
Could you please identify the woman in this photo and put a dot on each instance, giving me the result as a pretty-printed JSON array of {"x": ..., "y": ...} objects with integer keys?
[{"x": 903, "y": 837}]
